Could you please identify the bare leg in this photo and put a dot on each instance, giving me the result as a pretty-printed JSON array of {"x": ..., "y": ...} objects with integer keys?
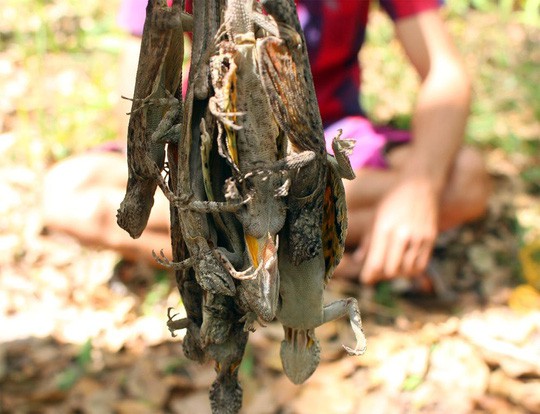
[
  {"x": 81, "y": 196},
  {"x": 82, "y": 193}
]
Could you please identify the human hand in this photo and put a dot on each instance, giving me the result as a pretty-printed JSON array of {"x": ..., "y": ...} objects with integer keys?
[{"x": 403, "y": 232}]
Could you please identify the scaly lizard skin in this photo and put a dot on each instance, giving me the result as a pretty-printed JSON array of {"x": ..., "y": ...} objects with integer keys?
[
  {"x": 213, "y": 327},
  {"x": 305, "y": 272},
  {"x": 251, "y": 146},
  {"x": 156, "y": 111},
  {"x": 242, "y": 109},
  {"x": 302, "y": 306},
  {"x": 190, "y": 291},
  {"x": 289, "y": 86}
]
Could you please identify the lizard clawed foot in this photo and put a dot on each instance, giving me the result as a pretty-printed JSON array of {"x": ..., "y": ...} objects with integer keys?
[
  {"x": 348, "y": 307},
  {"x": 247, "y": 274},
  {"x": 355, "y": 351},
  {"x": 230, "y": 191},
  {"x": 344, "y": 146},
  {"x": 222, "y": 116},
  {"x": 249, "y": 320},
  {"x": 164, "y": 261},
  {"x": 168, "y": 101},
  {"x": 283, "y": 190},
  {"x": 175, "y": 325}
]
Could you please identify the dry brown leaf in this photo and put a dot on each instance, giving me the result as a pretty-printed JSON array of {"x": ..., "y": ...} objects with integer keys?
[
  {"x": 193, "y": 403},
  {"x": 144, "y": 383},
  {"x": 525, "y": 393}
]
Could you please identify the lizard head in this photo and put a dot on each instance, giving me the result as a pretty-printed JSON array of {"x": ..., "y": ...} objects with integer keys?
[
  {"x": 226, "y": 390},
  {"x": 300, "y": 354},
  {"x": 134, "y": 211}
]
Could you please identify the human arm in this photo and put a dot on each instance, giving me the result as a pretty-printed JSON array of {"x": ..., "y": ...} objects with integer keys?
[{"x": 405, "y": 224}]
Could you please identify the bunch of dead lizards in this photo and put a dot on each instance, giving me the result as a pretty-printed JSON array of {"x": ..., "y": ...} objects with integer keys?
[{"x": 258, "y": 215}]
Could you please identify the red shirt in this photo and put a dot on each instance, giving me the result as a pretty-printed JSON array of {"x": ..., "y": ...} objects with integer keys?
[{"x": 335, "y": 31}]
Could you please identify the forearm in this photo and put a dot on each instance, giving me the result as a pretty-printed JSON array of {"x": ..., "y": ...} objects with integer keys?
[
  {"x": 438, "y": 124},
  {"x": 443, "y": 99}
]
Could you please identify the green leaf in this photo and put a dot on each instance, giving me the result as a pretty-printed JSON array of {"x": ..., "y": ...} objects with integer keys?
[{"x": 412, "y": 382}]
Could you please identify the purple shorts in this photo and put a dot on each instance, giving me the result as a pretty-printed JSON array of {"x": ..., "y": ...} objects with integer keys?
[
  {"x": 371, "y": 141},
  {"x": 131, "y": 16}
]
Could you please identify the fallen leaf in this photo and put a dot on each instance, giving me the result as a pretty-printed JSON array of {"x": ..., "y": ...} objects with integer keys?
[
  {"x": 524, "y": 393},
  {"x": 524, "y": 298},
  {"x": 456, "y": 366},
  {"x": 144, "y": 383},
  {"x": 194, "y": 403},
  {"x": 133, "y": 407}
]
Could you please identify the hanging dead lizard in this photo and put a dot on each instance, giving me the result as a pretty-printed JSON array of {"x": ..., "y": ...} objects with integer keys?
[
  {"x": 156, "y": 112},
  {"x": 252, "y": 143},
  {"x": 316, "y": 202},
  {"x": 213, "y": 327}
]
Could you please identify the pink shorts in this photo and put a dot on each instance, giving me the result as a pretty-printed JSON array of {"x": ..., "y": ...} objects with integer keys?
[
  {"x": 371, "y": 141},
  {"x": 131, "y": 16}
]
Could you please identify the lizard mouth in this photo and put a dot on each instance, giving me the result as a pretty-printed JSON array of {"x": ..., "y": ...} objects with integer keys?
[{"x": 262, "y": 251}]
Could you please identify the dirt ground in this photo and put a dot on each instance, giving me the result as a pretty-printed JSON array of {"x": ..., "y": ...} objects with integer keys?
[{"x": 83, "y": 332}]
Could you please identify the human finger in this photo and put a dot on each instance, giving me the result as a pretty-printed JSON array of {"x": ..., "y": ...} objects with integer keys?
[
  {"x": 410, "y": 258},
  {"x": 359, "y": 255},
  {"x": 374, "y": 265},
  {"x": 423, "y": 256},
  {"x": 398, "y": 245}
]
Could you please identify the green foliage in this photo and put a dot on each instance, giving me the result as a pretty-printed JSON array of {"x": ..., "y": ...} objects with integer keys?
[
  {"x": 531, "y": 176},
  {"x": 527, "y": 11},
  {"x": 384, "y": 295},
  {"x": 412, "y": 382},
  {"x": 64, "y": 55},
  {"x": 247, "y": 366},
  {"x": 158, "y": 292},
  {"x": 71, "y": 375}
]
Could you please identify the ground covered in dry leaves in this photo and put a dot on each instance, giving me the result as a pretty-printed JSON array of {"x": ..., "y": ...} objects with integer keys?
[
  {"x": 82, "y": 332},
  {"x": 78, "y": 336}
]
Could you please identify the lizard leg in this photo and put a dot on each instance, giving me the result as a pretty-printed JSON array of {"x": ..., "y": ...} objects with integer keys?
[
  {"x": 265, "y": 23},
  {"x": 291, "y": 162},
  {"x": 176, "y": 325},
  {"x": 283, "y": 190},
  {"x": 169, "y": 127},
  {"x": 150, "y": 100},
  {"x": 341, "y": 308},
  {"x": 295, "y": 161},
  {"x": 249, "y": 320},
  {"x": 162, "y": 260},
  {"x": 342, "y": 150},
  {"x": 213, "y": 206},
  {"x": 222, "y": 116},
  {"x": 185, "y": 202},
  {"x": 191, "y": 343},
  {"x": 249, "y": 273},
  {"x": 212, "y": 270}
]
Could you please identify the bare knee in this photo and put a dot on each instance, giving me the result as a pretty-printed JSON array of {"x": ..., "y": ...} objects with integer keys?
[
  {"x": 74, "y": 192},
  {"x": 468, "y": 189}
]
